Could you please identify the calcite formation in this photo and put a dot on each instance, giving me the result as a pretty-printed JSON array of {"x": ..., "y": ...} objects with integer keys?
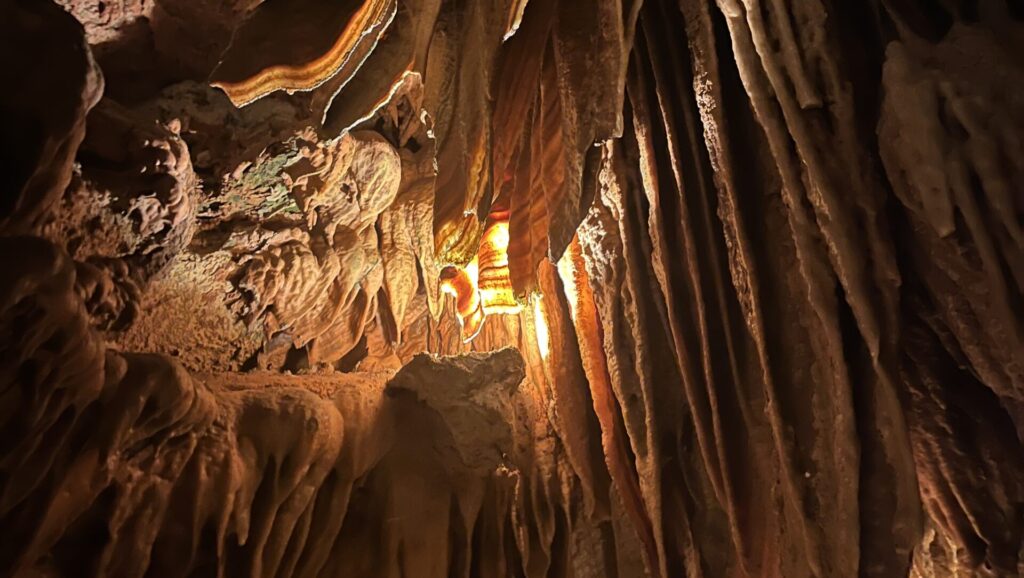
[
  {"x": 484, "y": 286},
  {"x": 310, "y": 42},
  {"x": 548, "y": 288}
]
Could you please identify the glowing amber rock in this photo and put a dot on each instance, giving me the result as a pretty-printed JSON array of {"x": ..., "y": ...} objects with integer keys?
[
  {"x": 461, "y": 284},
  {"x": 540, "y": 327},
  {"x": 483, "y": 287},
  {"x": 494, "y": 283}
]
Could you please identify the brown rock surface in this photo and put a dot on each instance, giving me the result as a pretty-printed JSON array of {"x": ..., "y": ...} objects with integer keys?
[
  {"x": 46, "y": 113},
  {"x": 731, "y": 288}
]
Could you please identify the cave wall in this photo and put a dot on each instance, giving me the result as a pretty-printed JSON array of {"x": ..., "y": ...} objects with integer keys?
[{"x": 758, "y": 312}]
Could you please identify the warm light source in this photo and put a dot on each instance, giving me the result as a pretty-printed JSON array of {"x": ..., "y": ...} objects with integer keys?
[
  {"x": 540, "y": 326},
  {"x": 461, "y": 283},
  {"x": 567, "y": 272},
  {"x": 493, "y": 281},
  {"x": 483, "y": 286}
]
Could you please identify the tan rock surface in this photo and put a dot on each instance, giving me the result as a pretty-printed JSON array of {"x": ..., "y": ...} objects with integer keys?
[{"x": 702, "y": 288}]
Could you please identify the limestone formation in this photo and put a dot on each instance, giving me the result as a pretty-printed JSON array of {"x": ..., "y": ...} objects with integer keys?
[{"x": 512, "y": 288}]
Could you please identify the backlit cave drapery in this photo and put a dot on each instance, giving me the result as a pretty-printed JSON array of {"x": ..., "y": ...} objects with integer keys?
[{"x": 524, "y": 288}]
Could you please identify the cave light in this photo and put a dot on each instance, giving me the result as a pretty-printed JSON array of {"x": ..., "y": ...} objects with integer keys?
[
  {"x": 540, "y": 326},
  {"x": 483, "y": 286},
  {"x": 493, "y": 281},
  {"x": 567, "y": 272},
  {"x": 461, "y": 283}
]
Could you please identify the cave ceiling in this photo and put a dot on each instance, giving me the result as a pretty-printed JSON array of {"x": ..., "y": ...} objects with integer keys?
[{"x": 512, "y": 288}]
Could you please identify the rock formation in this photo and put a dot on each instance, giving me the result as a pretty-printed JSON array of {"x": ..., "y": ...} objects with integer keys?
[{"x": 548, "y": 288}]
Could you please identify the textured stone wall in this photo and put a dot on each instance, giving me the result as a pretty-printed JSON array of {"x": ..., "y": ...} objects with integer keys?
[{"x": 766, "y": 257}]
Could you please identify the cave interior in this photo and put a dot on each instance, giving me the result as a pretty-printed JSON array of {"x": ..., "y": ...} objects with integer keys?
[{"x": 512, "y": 288}]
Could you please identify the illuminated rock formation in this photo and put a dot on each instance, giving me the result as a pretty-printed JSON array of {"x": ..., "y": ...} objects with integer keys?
[
  {"x": 310, "y": 42},
  {"x": 483, "y": 287},
  {"x": 539, "y": 289}
]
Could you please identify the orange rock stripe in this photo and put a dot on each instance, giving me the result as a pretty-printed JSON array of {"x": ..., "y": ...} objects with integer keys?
[{"x": 308, "y": 76}]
